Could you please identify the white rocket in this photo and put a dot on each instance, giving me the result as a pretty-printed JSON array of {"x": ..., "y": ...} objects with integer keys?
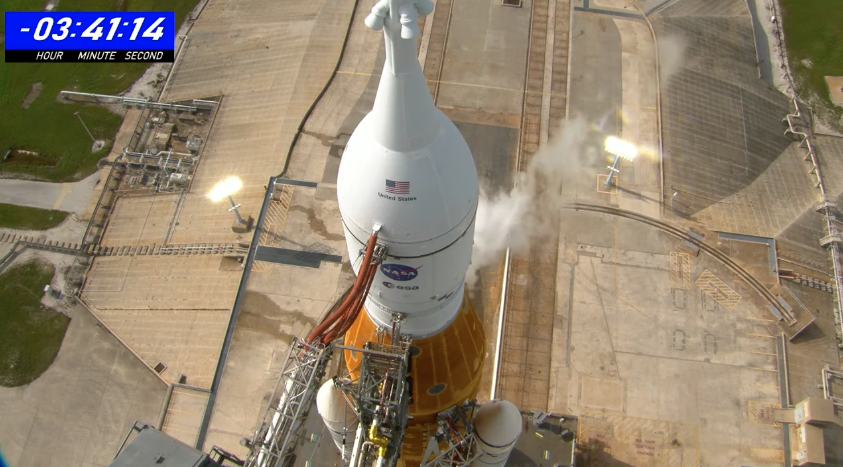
[
  {"x": 407, "y": 174},
  {"x": 407, "y": 169}
]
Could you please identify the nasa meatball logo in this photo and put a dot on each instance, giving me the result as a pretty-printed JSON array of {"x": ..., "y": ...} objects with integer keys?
[{"x": 399, "y": 272}]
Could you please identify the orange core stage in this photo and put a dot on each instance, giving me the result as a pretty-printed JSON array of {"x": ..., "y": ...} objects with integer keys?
[{"x": 445, "y": 369}]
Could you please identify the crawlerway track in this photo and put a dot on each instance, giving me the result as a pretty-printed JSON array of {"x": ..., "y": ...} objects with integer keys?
[{"x": 678, "y": 233}]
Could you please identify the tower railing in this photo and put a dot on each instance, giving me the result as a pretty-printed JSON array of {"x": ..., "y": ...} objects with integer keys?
[
  {"x": 798, "y": 127},
  {"x": 280, "y": 429},
  {"x": 380, "y": 397},
  {"x": 456, "y": 433}
]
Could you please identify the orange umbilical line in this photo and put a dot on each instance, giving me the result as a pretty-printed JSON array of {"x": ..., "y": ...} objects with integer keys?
[
  {"x": 341, "y": 319},
  {"x": 354, "y": 309}
]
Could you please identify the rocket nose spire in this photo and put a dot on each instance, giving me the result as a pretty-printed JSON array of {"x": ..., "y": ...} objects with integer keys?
[
  {"x": 404, "y": 111},
  {"x": 408, "y": 11}
]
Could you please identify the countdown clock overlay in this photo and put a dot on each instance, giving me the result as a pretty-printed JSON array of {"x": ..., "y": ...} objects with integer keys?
[{"x": 85, "y": 36}]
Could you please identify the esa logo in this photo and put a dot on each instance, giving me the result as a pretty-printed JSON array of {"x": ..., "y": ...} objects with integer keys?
[
  {"x": 399, "y": 272},
  {"x": 390, "y": 285}
]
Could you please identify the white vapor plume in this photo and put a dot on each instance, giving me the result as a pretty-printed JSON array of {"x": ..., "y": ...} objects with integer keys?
[
  {"x": 671, "y": 50},
  {"x": 498, "y": 222},
  {"x": 530, "y": 210}
]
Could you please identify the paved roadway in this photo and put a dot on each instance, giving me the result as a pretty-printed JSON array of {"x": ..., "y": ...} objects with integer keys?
[
  {"x": 70, "y": 197},
  {"x": 79, "y": 410}
]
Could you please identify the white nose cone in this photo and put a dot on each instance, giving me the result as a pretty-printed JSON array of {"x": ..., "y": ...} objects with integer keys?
[
  {"x": 497, "y": 427},
  {"x": 339, "y": 418},
  {"x": 408, "y": 169}
]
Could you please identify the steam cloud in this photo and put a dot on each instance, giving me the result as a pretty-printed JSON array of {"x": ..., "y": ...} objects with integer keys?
[
  {"x": 530, "y": 210},
  {"x": 671, "y": 52}
]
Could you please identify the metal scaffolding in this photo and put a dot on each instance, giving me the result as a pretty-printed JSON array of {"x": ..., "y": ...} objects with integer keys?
[
  {"x": 798, "y": 125},
  {"x": 380, "y": 396},
  {"x": 165, "y": 170},
  {"x": 280, "y": 429},
  {"x": 832, "y": 241},
  {"x": 196, "y": 104},
  {"x": 456, "y": 433},
  {"x": 828, "y": 379}
]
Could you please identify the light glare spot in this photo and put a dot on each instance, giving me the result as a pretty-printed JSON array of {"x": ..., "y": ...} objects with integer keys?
[
  {"x": 224, "y": 188},
  {"x": 619, "y": 147}
]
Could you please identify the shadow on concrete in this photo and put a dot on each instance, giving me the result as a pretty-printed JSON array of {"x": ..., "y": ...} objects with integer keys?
[
  {"x": 492, "y": 147},
  {"x": 550, "y": 443},
  {"x": 722, "y": 124},
  {"x": 519, "y": 459},
  {"x": 833, "y": 438},
  {"x": 637, "y": 194},
  {"x": 812, "y": 334},
  {"x": 762, "y": 44},
  {"x": 681, "y": 210},
  {"x": 596, "y": 453}
]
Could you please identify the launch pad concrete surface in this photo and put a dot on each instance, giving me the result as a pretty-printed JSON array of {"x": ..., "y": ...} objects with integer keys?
[
  {"x": 68, "y": 197},
  {"x": 244, "y": 51},
  {"x": 650, "y": 361},
  {"x": 269, "y": 62},
  {"x": 658, "y": 371}
]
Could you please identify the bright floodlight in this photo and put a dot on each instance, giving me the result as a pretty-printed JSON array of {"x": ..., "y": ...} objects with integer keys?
[
  {"x": 225, "y": 188},
  {"x": 621, "y": 148}
]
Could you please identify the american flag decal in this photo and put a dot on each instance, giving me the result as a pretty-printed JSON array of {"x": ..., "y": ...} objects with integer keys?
[{"x": 397, "y": 188}]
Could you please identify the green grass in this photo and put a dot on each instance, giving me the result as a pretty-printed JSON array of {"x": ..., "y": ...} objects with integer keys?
[
  {"x": 25, "y": 218},
  {"x": 814, "y": 32},
  {"x": 31, "y": 334},
  {"x": 49, "y": 127}
]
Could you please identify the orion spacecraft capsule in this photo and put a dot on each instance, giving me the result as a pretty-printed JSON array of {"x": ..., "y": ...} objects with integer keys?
[
  {"x": 407, "y": 168},
  {"x": 408, "y": 172}
]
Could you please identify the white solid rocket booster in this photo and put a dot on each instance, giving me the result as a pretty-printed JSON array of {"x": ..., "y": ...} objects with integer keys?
[{"x": 339, "y": 418}]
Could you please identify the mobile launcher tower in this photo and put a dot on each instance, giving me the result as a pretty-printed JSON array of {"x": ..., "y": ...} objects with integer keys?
[{"x": 413, "y": 357}]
